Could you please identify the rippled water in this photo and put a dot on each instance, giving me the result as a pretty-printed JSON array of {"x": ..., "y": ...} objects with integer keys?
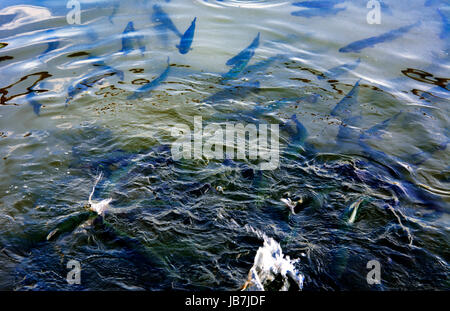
[{"x": 369, "y": 182}]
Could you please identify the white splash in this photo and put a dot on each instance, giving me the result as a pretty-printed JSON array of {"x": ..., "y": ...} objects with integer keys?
[
  {"x": 269, "y": 263},
  {"x": 102, "y": 206}
]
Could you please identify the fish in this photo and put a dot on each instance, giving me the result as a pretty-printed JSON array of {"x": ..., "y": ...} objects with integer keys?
[
  {"x": 351, "y": 212},
  {"x": 297, "y": 144},
  {"x": 70, "y": 223},
  {"x": 340, "y": 70},
  {"x": 317, "y": 12},
  {"x": 251, "y": 70},
  {"x": 299, "y": 135},
  {"x": 246, "y": 54},
  {"x": 359, "y": 45},
  {"x": 235, "y": 71},
  {"x": 377, "y": 130},
  {"x": 233, "y": 91},
  {"x": 349, "y": 131},
  {"x": 129, "y": 38},
  {"x": 420, "y": 157},
  {"x": 94, "y": 209},
  {"x": 147, "y": 88},
  {"x": 186, "y": 40},
  {"x": 85, "y": 83},
  {"x": 342, "y": 109},
  {"x": 241, "y": 60},
  {"x": 163, "y": 20}
]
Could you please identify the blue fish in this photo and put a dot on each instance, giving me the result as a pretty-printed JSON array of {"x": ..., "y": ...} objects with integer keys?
[
  {"x": 377, "y": 130},
  {"x": 420, "y": 157},
  {"x": 349, "y": 132},
  {"x": 340, "y": 70},
  {"x": 163, "y": 20},
  {"x": 317, "y": 12},
  {"x": 85, "y": 83},
  {"x": 147, "y": 88},
  {"x": 186, "y": 40},
  {"x": 235, "y": 91},
  {"x": 342, "y": 109},
  {"x": 299, "y": 135},
  {"x": 129, "y": 38},
  {"x": 359, "y": 45},
  {"x": 251, "y": 70},
  {"x": 246, "y": 54},
  {"x": 396, "y": 178}
]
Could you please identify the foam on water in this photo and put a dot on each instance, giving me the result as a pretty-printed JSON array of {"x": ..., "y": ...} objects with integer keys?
[{"x": 269, "y": 263}]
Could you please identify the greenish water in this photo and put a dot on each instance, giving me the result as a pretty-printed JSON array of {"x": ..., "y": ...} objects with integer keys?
[{"x": 197, "y": 224}]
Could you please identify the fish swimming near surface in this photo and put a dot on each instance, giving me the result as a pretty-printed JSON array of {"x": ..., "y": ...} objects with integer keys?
[
  {"x": 250, "y": 71},
  {"x": 147, "y": 88},
  {"x": 340, "y": 70},
  {"x": 420, "y": 157},
  {"x": 317, "y": 12},
  {"x": 377, "y": 130},
  {"x": 359, "y": 45},
  {"x": 186, "y": 40},
  {"x": 299, "y": 134},
  {"x": 343, "y": 108},
  {"x": 241, "y": 60},
  {"x": 163, "y": 21},
  {"x": 72, "y": 222},
  {"x": 246, "y": 54},
  {"x": 85, "y": 83},
  {"x": 232, "y": 92},
  {"x": 129, "y": 38},
  {"x": 351, "y": 212}
]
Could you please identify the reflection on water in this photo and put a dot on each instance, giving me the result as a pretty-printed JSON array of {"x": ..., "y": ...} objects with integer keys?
[{"x": 364, "y": 130}]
